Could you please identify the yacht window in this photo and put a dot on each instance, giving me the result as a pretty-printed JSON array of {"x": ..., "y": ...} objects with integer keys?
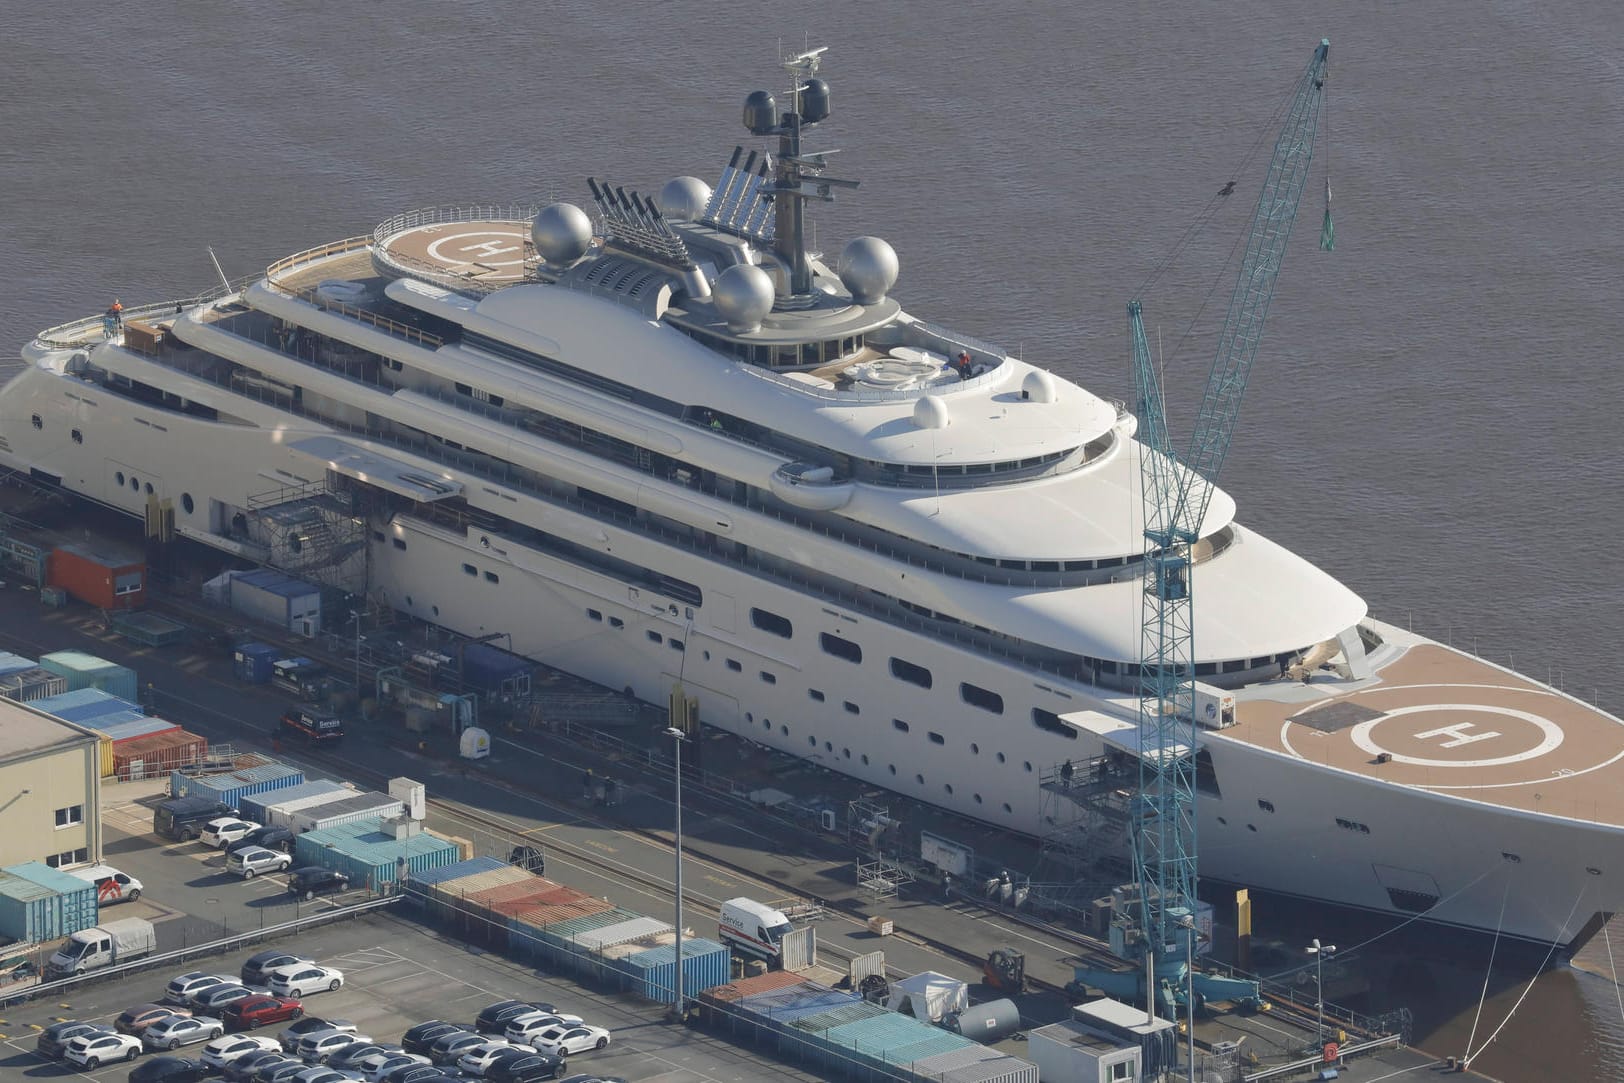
[
  {"x": 733, "y": 664},
  {"x": 186, "y": 502},
  {"x": 937, "y": 739},
  {"x": 39, "y": 423},
  {"x": 852, "y": 708},
  {"x": 78, "y": 437},
  {"x": 676, "y": 645},
  {"x": 980, "y": 697},
  {"x": 616, "y": 622},
  {"x": 594, "y": 614},
  {"x": 900, "y": 724},
  {"x": 654, "y": 637},
  {"x": 1266, "y": 806},
  {"x": 1048, "y": 720},
  {"x": 904, "y": 670},
  {"x": 492, "y": 577},
  {"x": 768, "y": 678},
  {"x": 400, "y": 543},
  {"x": 815, "y": 695},
  {"x": 771, "y": 622},
  {"x": 469, "y": 569},
  {"x": 841, "y": 648}
]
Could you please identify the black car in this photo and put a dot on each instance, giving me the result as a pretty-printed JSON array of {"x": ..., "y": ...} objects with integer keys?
[
  {"x": 289, "y": 1035},
  {"x": 313, "y": 880},
  {"x": 270, "y": 836},
  {"x": 448, "y": 1047},
  {"x": 53, "y": 1040},
  {"x": 495, "y": 1017},
  {"x": 413, "y": 1073},
  {"x": 246, "y": 1065},
  {"x": 281, "y": 1073},
  {"x": 253, "y": 970},
  {"x": 420, "y": 1038},
  {"x": 348, "y": 1058},
  {"x": 525, "y": 1069},
  {"x": 170, "y": 1070}
]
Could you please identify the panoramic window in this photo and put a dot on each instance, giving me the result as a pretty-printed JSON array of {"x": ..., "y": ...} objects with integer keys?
[
  {"x": 772, "y": 623},
  {"x": 841, "y": 648},
  {"x": 980, "y": 697},
  {"x": 1048, "y": 720},
  {"x": 904, "y": 670}
]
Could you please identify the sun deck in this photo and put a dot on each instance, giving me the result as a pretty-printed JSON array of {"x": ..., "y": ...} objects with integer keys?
[{"x": 1437, "y": 719}]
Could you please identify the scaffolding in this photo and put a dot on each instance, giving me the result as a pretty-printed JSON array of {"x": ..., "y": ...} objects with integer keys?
[
  {"x": 882, "y": 878},
  {"x": 869, "y": 826},
  {"x": 313, "y": 532},
  {"x": 1085, "y": 850}
]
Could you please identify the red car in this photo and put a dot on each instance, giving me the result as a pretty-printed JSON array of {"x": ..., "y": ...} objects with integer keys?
[{"x": 256, "y": 1011}]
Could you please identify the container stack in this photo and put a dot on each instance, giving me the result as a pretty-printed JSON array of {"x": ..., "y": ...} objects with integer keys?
[
  {"x": 805, "y": 1020},
  {"x": 230, "y": 787},
  {"x": 157, "y": 754},
  {"x": 274, "y": 806},
  {"x": 28, "y": 685},
  {"x": 39, "y": 903},
  {"x": 83, "y": 670},
  {"x": 374, "y": 853}
]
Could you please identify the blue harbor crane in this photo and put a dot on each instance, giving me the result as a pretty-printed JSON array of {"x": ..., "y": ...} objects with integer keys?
[{"x": 1177, "y": 492}]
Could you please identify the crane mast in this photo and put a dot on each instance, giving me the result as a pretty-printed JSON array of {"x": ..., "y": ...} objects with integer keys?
[{"x": 1177, "y": 493}]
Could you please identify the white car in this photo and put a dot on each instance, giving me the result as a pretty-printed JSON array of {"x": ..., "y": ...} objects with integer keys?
[
  {"x": 251, "y": 862},
  {"x": 226, "y": 1050},
  {"x": 316, "y": 1047},
  {"x": 521, "y": 1030},
  {"x": 91, "y": 1051},
  {"x": 182, "y": 1030},
  {"x": 378, "y": 1063},
  {"x": 563, "y": 1041},
  {"x": 222, "y": 832},
  {"x": 474, "y": 1061},
  {"x": 181, "y": 990},
  {"x": 302, "y": 979}
]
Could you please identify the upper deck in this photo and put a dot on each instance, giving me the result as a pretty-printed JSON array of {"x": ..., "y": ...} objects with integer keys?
[{"x": 1438, "y": 719}]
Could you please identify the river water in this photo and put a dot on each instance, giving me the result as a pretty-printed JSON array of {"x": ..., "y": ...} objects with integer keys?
[{"x": 1434, "y": 411}]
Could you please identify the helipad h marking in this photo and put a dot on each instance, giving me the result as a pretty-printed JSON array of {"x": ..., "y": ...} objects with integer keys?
[
  {"x": 1459, "y": 734},
  {"x": 476, "y": 246},
  {"x": 1551, "y": 739}
]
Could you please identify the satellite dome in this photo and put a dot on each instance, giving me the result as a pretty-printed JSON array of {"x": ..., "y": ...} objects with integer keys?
[
  {"x": 743, "y": 294},
  {"x": 1040, "y": 386},
  {"x": 683, "y": 199},
  {"x": 868, "y": 268},
  {"x": 930, "y": 412},
  {"x": 562, "y": 233}
]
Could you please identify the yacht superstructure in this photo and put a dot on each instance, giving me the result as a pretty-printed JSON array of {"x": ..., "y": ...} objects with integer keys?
[{"x": 667, "y": 442}]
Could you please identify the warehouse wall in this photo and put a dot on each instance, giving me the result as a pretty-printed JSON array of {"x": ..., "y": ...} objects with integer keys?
[{"x": 32, "y": 790}]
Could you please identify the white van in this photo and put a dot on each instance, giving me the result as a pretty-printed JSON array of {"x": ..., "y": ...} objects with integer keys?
[
  {"x": 111, "y": 885},
  {"x": 753, "y": 928}
]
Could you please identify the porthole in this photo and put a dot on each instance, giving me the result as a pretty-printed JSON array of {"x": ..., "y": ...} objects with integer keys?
[
  {"x": 186, "y": 502},
  {"x": 1007, "y": 808},
  {"x": 1028, "y": 766},
  {"x": 1223, "y": 821},
  {"x": 148, "y": 487},
  {"x": 865, "y": 759},
  {"x": 783, "y": 730},
  {"x": 975, "y": 749},
  {"x": 135, "y": 484},
  {"x": 118, "y": 476},
  {"x": 408, "y": 601},
  {"x": 920, "y": 779},
  {"x": 1000, "y": 757},
  {"x": 748, "y": 717},
  {"x": 436, "y": 610},
  {"x": 828, "y": 746},
  {"x": 893, "y": 768},
  {"x": 846, "y": 752},
  {"x": 813, "y": 741},
  {"x": 707, "y": 658},
  {"x": 78, "y": 437},
  {"x": 948, "y": 786},
  {"x": 39, "y": 423},
  {"x": 1251, "y": 827},
  {"x": 977, "y": 798}
]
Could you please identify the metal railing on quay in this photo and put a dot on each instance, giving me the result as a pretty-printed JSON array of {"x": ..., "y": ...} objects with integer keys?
[{"x": 57, "y": 987}]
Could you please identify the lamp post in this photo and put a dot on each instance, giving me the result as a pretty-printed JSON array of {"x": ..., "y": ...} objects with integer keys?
[
  {"x": 678, "y": 738},
  {"x": 1189, "y": 977},
  {"x": 355, "y": 615},
  {"x": 1319, "y": 952}
]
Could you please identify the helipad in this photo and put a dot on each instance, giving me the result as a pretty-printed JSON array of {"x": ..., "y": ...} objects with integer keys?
[{"x": 488, "y": 253}]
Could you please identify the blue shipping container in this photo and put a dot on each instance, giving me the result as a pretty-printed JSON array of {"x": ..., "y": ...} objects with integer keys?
[
  {"x": 252, "y": 662},
  {"x": 83, "y": 704},
  {"x": 14, "y": 663},
  {"x": 230, "y": 788},
  {"x": 705, "y": 965},
  {"x": 457, "y": 871},
  {"x": 118, "y": 728},
  {"x": 487, "y": 669},
  {"x": 83, "y": 670},
  {"x": 369, "y": 857},
  {"x": 39, "y": 903}
]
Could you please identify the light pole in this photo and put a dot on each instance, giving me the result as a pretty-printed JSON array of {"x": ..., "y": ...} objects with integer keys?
[
  {"x": 355, "y": 615},
  {"x": 1189, "y": 977},
  {"x": 1319, "y": 952},
  {"x": 678, "y": 738}
]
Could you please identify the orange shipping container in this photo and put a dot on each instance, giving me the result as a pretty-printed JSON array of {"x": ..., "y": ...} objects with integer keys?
[
  {"x": 146, "y": 757},
  {"x": 762, "y": 983},
  {"x": 104, "y": 580}
]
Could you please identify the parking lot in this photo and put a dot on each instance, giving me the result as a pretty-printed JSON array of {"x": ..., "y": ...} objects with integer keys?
[{"x": 397, "y": 973}]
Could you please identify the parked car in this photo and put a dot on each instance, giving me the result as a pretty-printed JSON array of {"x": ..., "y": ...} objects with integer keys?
[
  {"x": 243, "y": 1068},
  {"x": 494, "y": 1018},
  {"x": 170, "y": 1070},
  {"x": 256, "y": 860},
  {"x": 565, "y": 1040},
  {"x": 255, "y": 967},
  {"x": 289, "y": 1036},
  {"x": 225, "y": 830},
  {"x": 251, "y": 1013},
  {"x": 180, "y": 990},
  {"x": 270, "y": 836},
  {"x": 281, "y": 1073},
  {"x": 313, "y": 880},
  {"x": 526, "y": 1068},
  {"x": 323, "y": 1074},
  {"x": 91, "y": 1051},
  {"x": 226, "y": 1050},
  {"x": 138, "y": 1017},
  {"x": 301, "y": 979},
  {"x": 475, "y": 1059},
  {"x": 53, "y": 1040},
  {"x": 214, "y": 999},
  {"x": 112, "y": 886},
  {"x": 410, "y": 1073},
  {"x": 316, "y": 1048},
  {"x": 354, "y": 1058},
  {"x": 448, "y": 1047},
  {"x": 181, "y": 1030},
  {"x": 378, "y": 1065},
  {"x": 418, "y": 1039},
  {"x": 522, "y": 1030}
]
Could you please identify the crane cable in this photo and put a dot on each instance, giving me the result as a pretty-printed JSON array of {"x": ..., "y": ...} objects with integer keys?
[{"x": 1327, "y": 230}]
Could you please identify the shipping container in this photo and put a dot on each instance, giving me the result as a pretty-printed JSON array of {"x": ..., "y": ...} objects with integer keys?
[
  {"x": 106, "y": 580},
  {"x": 494, "y": 672},
  {"x": 83, "y": 670},
  {"x": 15, "y": 663},
  {"x": 40, "y": 903},
  {"x": 473, "y": 866},
  {"x": 705, "y": 965},
  {"x": 624, "y": 932},
  {"x": 28, "y": 685},
  {"x": 292, "y": 605},
  {"x": 83, "y": 704},
  {"x": 369, "y": 855},
  {"x": 252, "y": 662},
  {"x": 352, "y": 808},
  {"x": 159, "y": 754},
  {"x": 525, "y": 931},
  {"x": 230, "y": 787},
  {"x": 976, "y": 1065},
  {"x": 263, "y": 808},
  {"x": 105, "y": 762},
  {"x": 130, "y": 729},
  {"x": 743, "y": 987}
]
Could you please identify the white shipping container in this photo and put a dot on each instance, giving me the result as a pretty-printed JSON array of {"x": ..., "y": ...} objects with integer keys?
[
  {"x": 367, "y": 806},
  {"x": 283, "y": 813}
]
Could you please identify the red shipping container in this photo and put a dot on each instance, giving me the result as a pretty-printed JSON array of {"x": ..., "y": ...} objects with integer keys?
[
  {"x": 762, "y": 983},
  {"x": 104, "y": 580},
  {"x": 158, "y": 754}
]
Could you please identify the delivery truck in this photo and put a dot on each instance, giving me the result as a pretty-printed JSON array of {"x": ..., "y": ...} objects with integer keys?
[{"x": 107, "y": 944}]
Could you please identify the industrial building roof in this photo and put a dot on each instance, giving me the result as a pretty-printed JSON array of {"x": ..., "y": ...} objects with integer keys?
[{"x": 25, "y": 732}]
